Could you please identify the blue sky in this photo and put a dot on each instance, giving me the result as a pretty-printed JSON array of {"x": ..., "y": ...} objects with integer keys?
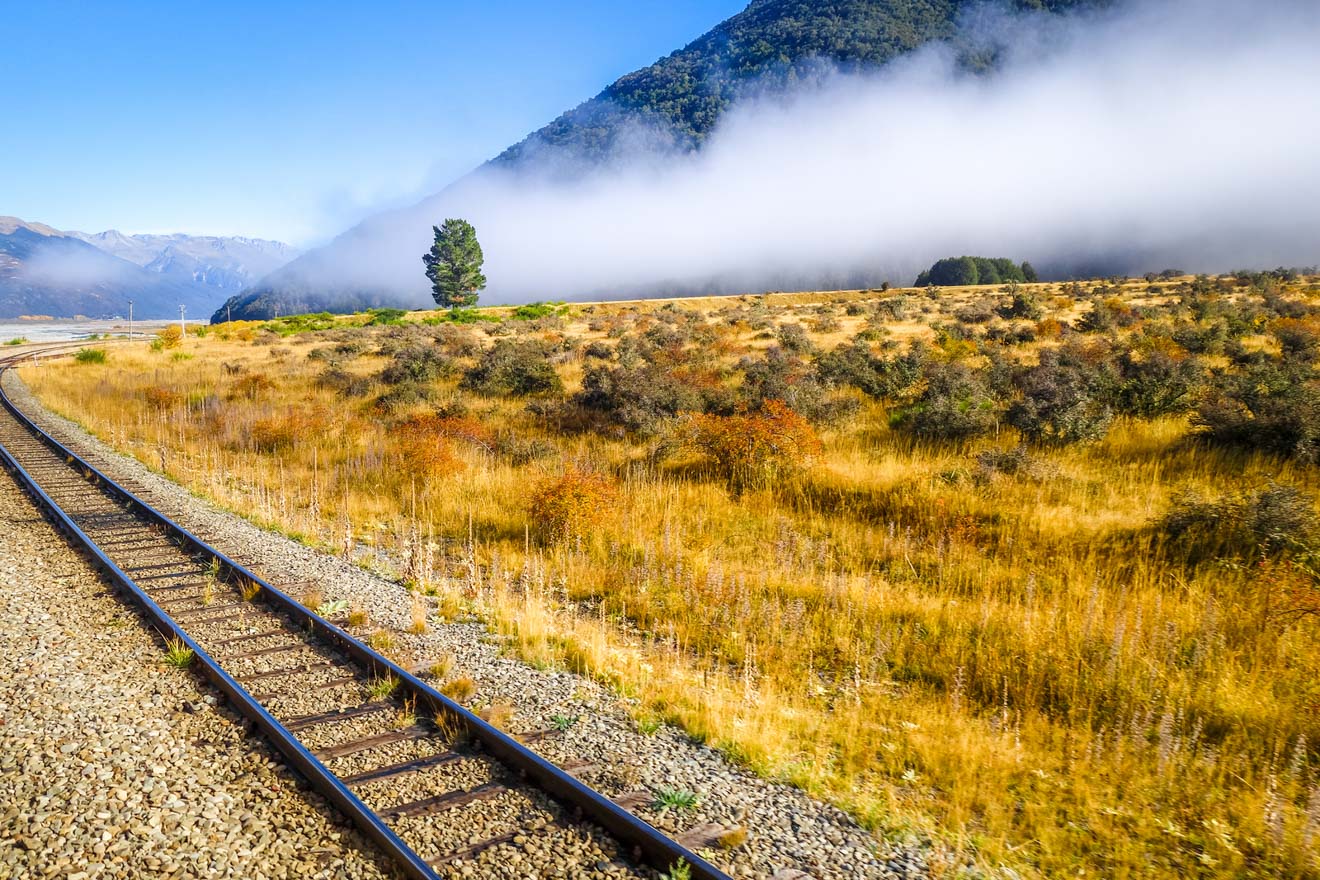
[{"x": 292, "y": 120}]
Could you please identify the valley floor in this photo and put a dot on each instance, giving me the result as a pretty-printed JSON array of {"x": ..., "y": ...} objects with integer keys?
[
  {"x": 1031, "y": 570},
  {"x": 786, "y": 830}
]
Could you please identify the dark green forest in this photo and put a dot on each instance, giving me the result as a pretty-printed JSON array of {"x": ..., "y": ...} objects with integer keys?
[
  {"x": 962, "y": 271},
  {"x": 769, "y": 45}
]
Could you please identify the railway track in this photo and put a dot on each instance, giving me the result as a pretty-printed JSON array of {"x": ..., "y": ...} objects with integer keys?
[{"x": 437, "y": 788}]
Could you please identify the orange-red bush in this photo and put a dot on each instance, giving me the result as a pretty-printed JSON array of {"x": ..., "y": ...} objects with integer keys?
[
  {"x": 250, "y": 386},
  {"x": 161, "y": 398},
  {"x": 276, "y": 433},
  {"x": 573, "y": 503},
  {"x": 424, "y": 446},
  {"x": 755, "y": 449}
]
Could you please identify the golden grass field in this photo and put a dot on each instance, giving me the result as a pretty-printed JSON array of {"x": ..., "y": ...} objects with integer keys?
[{"x": 1013, "y": 663}]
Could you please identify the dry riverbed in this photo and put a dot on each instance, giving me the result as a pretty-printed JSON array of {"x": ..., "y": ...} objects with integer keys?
[{"x": 788, "y": 833}]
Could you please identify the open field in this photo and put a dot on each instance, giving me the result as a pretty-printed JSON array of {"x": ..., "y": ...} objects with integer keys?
[{"x": 1034, "y": 569}]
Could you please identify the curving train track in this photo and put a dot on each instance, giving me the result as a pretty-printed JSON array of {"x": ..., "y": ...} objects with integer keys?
[{"x": 396, "y": 756}]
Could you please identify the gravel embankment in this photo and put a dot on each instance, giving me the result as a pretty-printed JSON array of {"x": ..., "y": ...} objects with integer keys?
[
  {"x": 112, "y": 764},
  {"x": 787, "y": 832}
]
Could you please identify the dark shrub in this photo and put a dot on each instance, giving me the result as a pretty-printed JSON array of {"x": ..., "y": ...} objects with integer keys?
[
  {"x": 1281, "y": 305},
  {"x": 1298, "y": 338},
  {"x": 456, "y": 341},
  {"x": 1202, "y": 338},
  {"x": 1023, "y": 305},
  {"x": 825, "y": 324},
  {"x": 415, "y": 363},
  {"x": 854, "y": 364},
  {"x": 979, "y": 312},
  {"x": 1022, "y": 334},
  {"x": 794, "y": 339},
  {"x": 956, "y": 405},
  {"x": 667, "y": 336},
  {"x": 599, "y": 350},
  {"x": 1157, "y": 379},
  {"x": 783, "y": 376},
  {"x": 893, "y": 308},
  {"x": 519, "y": 450},
  {"x": 386, "y": 317},
  {"x": 1273, "y": 520},
  {"x": 1059, "y": 402},
  {"x": 1107, "y": 314},
  {"x": 344, "y": 383},
  {"x": 402, "y": 396},
  {"x": 1015, "y": 462},
  {"x": 537, "y": 310},
  {"x": 1270, "y": 407},
  {"x": 514, "y": 368},
  {"x": 639, "y": 397}
]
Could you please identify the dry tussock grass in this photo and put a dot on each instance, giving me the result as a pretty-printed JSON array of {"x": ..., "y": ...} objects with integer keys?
[{"x": 929, "y": 636}]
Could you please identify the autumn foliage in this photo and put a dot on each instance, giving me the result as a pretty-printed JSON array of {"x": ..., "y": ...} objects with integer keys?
[
  {"x": 169, "y": 336},
  {"x": 161, "y": 398},
  {"x": 752, "y": 450},
  {"x": 285, "y": 431},
  {"x": 572, "y": 504},
  {"x": 423, "y": 442}
]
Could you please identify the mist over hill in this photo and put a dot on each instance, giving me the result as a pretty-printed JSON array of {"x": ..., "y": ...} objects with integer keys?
[
  {"x": 841, "y": 144},
  {"x": 224, "y": 263},
  {"x": 45, "y": 271}
]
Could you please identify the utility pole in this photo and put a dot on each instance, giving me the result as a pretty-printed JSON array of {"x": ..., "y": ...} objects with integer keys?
[
  {"x": 130, "y": 320},
  {"x": 183, "y": 328}
]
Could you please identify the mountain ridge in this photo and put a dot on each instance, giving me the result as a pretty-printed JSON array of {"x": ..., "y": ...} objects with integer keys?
[
  {"x": 669, "y": 106},
  {"x": 44, "y": 270}
]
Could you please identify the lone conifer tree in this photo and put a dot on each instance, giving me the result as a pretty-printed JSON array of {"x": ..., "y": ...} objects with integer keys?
[{"x": 454, "y": 265}]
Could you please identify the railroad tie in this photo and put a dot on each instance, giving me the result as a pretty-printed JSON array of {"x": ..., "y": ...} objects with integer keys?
[
  {"x": 630, "y": 801},
  {"x": 704, "y": 836},
  {"x": 250, "y": 637},
  {"x": 447, "y": 801},
  {"x": 372, "y": 742},
  {"x": 477, "y": 849},
  {"x": 323, "y": 686},
  {"x": 206, "y": 609},
  {"x": 220, "y": 618},
  {"x": 293, "y": 670},
  {"x": 578, "y": 769},
  {"x": 261, "y": 652},
  {"x": 302, "y": 722},
  {"x": 389, "y": 771}
]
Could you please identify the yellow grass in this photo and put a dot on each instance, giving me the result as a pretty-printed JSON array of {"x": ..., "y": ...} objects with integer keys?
[{"x": 1009, "y": 663}]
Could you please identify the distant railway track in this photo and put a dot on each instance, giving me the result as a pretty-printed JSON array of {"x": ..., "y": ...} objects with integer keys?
[{"x": 397, "y": 757}]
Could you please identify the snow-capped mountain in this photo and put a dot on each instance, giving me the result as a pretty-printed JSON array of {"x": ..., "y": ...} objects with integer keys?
[
  {"x": 44, "y": 271},
  {"x": 225, "y": 263}
]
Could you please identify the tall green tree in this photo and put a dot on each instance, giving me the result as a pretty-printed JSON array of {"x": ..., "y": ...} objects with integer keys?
[{"x": 454, "y": 265}]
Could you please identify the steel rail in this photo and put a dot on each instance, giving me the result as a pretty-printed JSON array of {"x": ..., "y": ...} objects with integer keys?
[{"x": 647, "y": 844}]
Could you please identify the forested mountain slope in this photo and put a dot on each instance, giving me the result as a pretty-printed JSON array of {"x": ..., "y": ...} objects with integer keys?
[{"x": 672, "y": 105}]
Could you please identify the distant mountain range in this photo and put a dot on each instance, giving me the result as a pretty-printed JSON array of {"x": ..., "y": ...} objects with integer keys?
[
  {"x": 46, "y": 271},
  {"x": 668, "y": 107}
]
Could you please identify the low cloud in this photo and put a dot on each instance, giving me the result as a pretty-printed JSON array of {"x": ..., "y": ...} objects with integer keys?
[
  {"x": 1153, "y": 134},
  {"x": 63, "y": 264}
]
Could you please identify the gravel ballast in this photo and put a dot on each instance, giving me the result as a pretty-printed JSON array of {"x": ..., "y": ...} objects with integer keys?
[
  {"x": 788, "y": 833},
  {"x": 113, "y": 764}
]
